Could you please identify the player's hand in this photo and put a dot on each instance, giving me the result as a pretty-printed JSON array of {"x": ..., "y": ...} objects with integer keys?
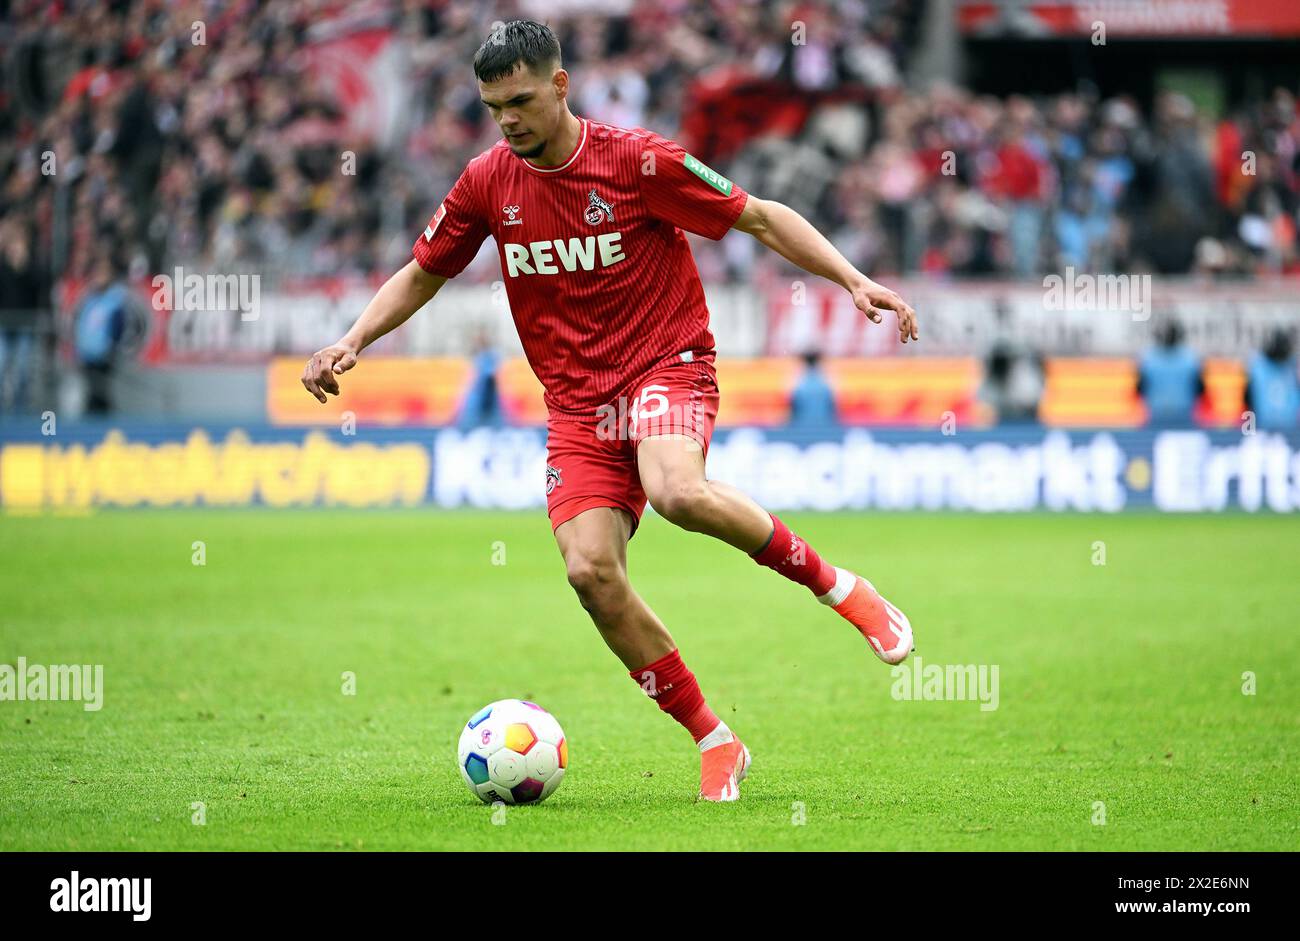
[
  {"x": 871, "y": 298},
  {"x": 321, "y": 372}
]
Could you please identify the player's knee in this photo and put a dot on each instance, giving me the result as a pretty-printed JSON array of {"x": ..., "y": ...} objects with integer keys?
[
  {"x": 681, "y": 502},
  {"x": 594, "y": 576}
]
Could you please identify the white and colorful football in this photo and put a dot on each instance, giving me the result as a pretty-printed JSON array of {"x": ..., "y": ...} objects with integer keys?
[{"x": 512, "y": 751}]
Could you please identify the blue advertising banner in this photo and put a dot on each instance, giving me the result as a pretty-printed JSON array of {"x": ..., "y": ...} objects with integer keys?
[{"x": 997, "y": 470}]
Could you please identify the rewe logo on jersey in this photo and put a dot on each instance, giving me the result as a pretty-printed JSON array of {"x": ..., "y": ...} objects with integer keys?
[{"x": 550, "y": 257}]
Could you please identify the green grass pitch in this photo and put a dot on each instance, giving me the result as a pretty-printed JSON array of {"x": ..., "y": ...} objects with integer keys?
[{"x": 1119, "y": 683}]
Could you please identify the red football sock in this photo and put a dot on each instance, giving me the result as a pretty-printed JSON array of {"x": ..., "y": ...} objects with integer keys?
[
  {"x": 795, "y": 559},
  {"x": 673, "y": 687}
]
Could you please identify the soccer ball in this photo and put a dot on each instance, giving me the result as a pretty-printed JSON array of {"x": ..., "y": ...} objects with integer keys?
[{"x": 512, "y": 751}]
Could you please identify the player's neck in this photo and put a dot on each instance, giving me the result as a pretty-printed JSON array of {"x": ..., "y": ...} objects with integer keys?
[{"x": 563, "y": 144}]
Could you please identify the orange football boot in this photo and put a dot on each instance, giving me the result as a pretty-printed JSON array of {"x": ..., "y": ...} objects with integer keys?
[
  {"x": 883, "y": 625},
  {"x": 722, "y": 768}
]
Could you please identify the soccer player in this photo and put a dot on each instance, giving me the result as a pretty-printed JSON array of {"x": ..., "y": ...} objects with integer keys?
[{"x": 588, "y": 221}]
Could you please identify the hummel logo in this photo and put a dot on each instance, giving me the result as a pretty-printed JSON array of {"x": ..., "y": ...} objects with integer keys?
[{"x": 511, "y": 212}]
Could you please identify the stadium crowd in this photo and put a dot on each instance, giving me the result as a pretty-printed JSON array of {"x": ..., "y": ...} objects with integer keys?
[
  {"x": 140, "y": 134},
  {"x": 229, "y": 151}
]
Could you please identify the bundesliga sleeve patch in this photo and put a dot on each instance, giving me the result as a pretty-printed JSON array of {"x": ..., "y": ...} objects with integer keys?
[
  {"x": 714, "y": 179},
  {"x": 437, "y": 221}
]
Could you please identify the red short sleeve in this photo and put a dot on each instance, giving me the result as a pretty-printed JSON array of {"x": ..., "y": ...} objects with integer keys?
[
  {"x": 453, "y": 236},
  {"x": 681, "y": 190}
]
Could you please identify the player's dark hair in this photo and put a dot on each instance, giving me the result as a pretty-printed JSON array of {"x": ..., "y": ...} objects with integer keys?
[{"x": 511, "y": 43}]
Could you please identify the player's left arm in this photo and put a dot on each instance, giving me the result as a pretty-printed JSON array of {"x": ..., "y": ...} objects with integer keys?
[{"x": 793, "y": 237}]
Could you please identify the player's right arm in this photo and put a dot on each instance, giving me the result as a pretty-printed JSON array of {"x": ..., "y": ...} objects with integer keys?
[
  {"x": 793, "y": 237},
  {"x": 449, "y": 243},
  {"x": 401, "y": 296}
]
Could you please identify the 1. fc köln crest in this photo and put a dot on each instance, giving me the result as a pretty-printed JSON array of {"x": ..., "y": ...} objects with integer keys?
[
  {"x": 597, "y": 210},
  {"x": 552, "y": 478}
]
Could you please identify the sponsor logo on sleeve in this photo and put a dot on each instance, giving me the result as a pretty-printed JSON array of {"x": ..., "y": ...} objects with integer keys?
[{"x": 712, "y": 177}]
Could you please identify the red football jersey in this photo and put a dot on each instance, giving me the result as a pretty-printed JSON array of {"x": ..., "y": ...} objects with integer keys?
[{"x": 599, "y": 274}]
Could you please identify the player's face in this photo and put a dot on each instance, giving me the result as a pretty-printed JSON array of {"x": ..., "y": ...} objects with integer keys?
[{"x": 527, "y": 107}]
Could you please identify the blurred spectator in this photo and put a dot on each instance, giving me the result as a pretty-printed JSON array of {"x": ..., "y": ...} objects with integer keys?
[
  {"x": 1017, "y": 176},
  {"x": 1180, "y": 186},
  {"x": 482, "y": 402},
  {"x": 1272, "y": 385},
  {"x": 100, "y": 322},
  {"x": 1094, "y": 182},
  {"x": 1013, "y": 373},
  {"x": 812, "y": 403},
  {"x": 1170, "y": 377},
  {"x": 21, "y": 317}
]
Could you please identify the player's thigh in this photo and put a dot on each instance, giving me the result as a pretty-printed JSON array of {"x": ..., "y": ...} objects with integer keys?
[
  {"x": 672, "y": 425},
  {"x": 594, "y": 544},
  {"x": 670, "y": 465},
  {"x": 586, "y": 469}
]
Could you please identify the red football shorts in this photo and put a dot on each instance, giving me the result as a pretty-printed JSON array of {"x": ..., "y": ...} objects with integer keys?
[{"x": 591, "y": 463}]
